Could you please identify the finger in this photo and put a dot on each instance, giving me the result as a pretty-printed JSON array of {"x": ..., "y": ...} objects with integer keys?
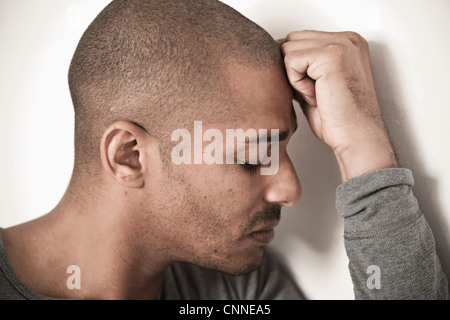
[
  {"x": 281, "y": 41},
  {"x": 297, "y": 64},
  {"x": 304, "y": 86},
  {"x": 305, "y": 44},
  {"x": 305, "y": 91},
  {"x": 313, "y": 34}
]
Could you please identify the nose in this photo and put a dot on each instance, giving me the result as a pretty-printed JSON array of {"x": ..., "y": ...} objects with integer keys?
[{"x": 283, "y": 188}]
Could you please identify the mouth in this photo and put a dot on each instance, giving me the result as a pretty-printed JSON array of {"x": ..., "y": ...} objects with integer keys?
[{"x": 264, "y": 235}]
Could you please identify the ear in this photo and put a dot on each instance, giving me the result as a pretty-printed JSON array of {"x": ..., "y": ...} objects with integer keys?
[{"x": 125, "y": 151}]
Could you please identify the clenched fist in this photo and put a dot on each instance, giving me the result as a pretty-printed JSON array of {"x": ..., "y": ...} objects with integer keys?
[{"x": 332, "y": 78}]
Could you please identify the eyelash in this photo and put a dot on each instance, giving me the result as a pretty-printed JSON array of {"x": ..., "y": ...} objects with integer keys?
[{"x": 251, "y": 168}]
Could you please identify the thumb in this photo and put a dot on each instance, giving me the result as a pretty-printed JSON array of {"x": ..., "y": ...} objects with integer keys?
[
  {"x": 297, "y": 64},
  {"x": 305, "y": 87}
]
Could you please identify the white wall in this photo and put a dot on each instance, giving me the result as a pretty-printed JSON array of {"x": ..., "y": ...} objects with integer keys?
[{"x": 410, "y": 50}]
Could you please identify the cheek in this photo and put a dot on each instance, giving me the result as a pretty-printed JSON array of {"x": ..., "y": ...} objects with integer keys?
[
  {"x": 208, "y": 204},
  {"x": 223, "y": 191},
  {"x": 225, "y": 194},
  {"x": 204, "y": 215},
  {"x": 193, "y": 203}
]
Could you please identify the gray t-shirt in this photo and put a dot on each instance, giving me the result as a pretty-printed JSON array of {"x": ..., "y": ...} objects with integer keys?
[{"x": 389, "y": 244}]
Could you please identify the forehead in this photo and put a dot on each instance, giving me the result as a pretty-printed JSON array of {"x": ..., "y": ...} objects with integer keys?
[{"x": 262, "y": 96}]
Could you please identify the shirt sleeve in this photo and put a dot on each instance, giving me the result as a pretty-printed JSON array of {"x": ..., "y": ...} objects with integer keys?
[{"x": 388, "y": 241}]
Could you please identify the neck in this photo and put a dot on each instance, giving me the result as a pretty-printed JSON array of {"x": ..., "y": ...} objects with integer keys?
[{"x": 115, "y": 261}]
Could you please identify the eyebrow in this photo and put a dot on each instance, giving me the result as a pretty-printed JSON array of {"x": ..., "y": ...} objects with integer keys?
[{"x": 282, "y": 135}]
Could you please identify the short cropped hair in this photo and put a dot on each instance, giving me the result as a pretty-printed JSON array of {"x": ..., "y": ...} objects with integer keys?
[{"x": 158, "y": 64}]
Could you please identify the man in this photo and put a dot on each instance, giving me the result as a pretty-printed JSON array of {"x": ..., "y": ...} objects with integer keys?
[{"x": 135, "y": 225}]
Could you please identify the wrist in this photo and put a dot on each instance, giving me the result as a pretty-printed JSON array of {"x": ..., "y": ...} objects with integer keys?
[{"x": 365, "y": 156}]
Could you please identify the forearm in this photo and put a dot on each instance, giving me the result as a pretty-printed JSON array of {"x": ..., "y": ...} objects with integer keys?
[
  {"x": 385, "y": 232},
  {"x": 384, "y": 229}
]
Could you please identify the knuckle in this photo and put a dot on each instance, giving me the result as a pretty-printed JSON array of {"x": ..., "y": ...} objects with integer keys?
[
  {"x": 297, "y": 35},
  {"x": 285, "y": 47},
  {"x": 353, "y": 34},
  {"x": 355, "y": 38},
  {"x": 336, "y": 50},
  {"x": 291, "y": 59},
  {"x": 292, "y": 35}
]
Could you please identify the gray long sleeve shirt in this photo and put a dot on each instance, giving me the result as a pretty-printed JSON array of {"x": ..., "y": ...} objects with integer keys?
[
  {"x": 389, "y": 244},
  {"x": 386, "y": 235}
]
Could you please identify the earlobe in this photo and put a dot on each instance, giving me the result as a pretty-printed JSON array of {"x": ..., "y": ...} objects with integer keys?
[{"x": 121, "y": 153}]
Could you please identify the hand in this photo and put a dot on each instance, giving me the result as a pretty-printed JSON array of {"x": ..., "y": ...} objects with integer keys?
[{"x": 332, "y": 78}]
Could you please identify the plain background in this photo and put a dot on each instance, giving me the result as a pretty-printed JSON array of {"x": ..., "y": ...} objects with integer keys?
[{"x": 410, "y": 50}]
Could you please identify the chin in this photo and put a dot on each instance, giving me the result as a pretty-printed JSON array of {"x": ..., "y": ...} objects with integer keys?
[
  {"x": 240, "y": 265},
  {"x": 243, "y": 270}
]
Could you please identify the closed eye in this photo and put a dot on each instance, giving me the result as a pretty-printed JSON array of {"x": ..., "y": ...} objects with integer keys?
[{"x": 251, "y": 168}]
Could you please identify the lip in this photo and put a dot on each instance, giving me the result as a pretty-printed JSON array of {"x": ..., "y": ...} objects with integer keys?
[{"x": 263, "y": 236}]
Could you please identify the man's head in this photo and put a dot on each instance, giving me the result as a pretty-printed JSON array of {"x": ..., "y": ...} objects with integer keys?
[{"x": 145, "y": 68}]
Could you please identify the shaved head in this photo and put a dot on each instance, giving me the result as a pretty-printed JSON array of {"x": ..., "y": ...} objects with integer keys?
[{"x": 159, "y": 64}]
